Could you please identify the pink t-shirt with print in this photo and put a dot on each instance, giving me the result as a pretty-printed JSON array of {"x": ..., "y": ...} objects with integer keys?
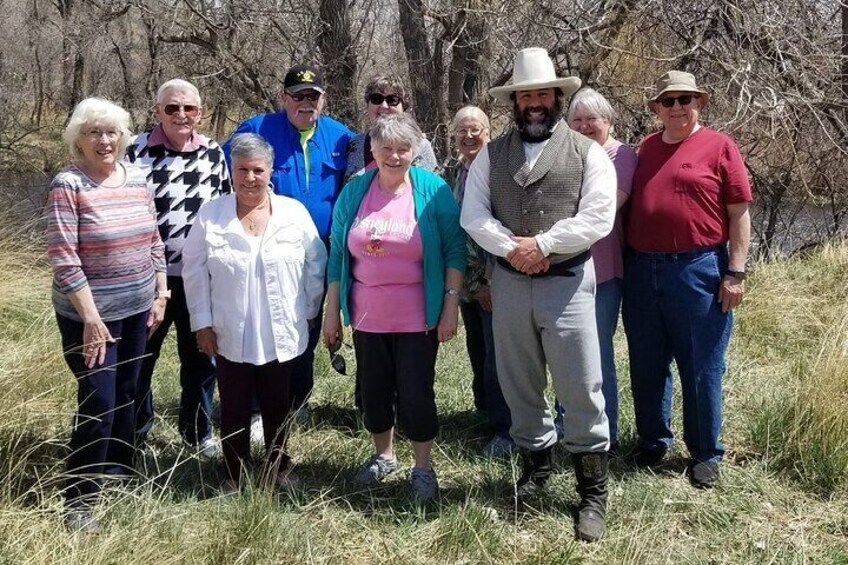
[{"x": 387, "y": 294}]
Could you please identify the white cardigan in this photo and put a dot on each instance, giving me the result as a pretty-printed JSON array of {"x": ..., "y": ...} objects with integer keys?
[{"x": 215, "y": 270}]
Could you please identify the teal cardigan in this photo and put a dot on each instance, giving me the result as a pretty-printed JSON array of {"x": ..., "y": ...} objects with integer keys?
[{"x": 442, "y": 239}]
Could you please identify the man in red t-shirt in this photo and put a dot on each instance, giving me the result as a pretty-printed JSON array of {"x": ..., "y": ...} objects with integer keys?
[{"x": 682, "y": 280}]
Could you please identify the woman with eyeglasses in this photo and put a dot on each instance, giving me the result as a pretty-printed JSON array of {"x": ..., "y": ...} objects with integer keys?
[
  {"x": 688, "y": 232},
  {"x": 184, "y": 169},
  {"x": 384, "y": 95},
  {"x": 397, "y": 257},
  {"x": 470, "y": 127},
  {"x": 109, "y": 293}
]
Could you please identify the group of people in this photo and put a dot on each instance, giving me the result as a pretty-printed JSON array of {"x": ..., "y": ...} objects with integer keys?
[{"x": 297, "y": 227}]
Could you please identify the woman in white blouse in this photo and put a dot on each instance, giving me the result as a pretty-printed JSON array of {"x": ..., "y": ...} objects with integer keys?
[{"x": 254, "y": 274}]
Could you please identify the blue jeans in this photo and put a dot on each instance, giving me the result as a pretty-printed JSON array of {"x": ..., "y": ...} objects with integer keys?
[
  {"x": 478, "y": 323},
  {"x": 102, "y": 435},
  {"x": 607, "y": 305},
  {"x": 197, "y": 373},
  {"x": 671, "y": 311}
]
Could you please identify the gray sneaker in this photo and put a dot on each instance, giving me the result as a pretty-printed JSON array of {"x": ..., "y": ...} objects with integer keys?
[
  {"x": 499, "y": 447},
  {"x": 208, "y": 450},
  {"x": 425, "y": 486},
  {"x": 81, "y": 520},
  {"x": 374, "y": 471}
]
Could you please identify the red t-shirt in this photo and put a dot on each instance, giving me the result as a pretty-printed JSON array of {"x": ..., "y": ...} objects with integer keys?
[{"x": 681, "y": 192}]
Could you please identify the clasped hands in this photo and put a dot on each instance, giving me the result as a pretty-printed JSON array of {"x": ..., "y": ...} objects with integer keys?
[{"x": 526, "y": 257}]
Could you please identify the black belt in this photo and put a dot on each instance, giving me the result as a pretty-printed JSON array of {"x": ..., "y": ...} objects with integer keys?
[
  {"x": 677, "y": 255},
  {"x": 561, "y": 269}
]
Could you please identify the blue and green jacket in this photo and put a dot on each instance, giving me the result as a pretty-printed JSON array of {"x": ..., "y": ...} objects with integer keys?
[{"x": 442, "y": 239}]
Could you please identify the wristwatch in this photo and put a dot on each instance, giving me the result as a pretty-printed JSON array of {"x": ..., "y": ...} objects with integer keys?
[
  {"x": 166, "y": 294},
  {"x": 738, "y": 275},
  {"x": 452, "y": 291}
]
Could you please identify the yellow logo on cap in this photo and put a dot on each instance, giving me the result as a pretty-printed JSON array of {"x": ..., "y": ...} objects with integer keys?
[{"x": 306, "y": 76}]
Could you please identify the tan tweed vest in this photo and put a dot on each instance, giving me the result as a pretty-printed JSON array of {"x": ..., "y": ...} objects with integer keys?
[{"x": 529, "y": 201}]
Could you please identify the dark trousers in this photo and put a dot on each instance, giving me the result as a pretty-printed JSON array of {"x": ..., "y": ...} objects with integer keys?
[
  {"x": 476, "y": 347},
  {"x": 197, "y": 373},
  {"x": 238, "y": 385},
  {"x": 398, "y": 369},
  {"x": 302, "y": 372},
  {"x": 478, "y": 323},
  {"x": 103, "y": 430}
]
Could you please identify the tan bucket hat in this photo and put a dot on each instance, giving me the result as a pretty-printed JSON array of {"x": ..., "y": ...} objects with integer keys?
[
  {"x": 533, "y": 69},
  {"x": 678, "y": 81}
]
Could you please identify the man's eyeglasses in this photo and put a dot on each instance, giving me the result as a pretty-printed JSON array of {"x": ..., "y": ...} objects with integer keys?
[
  {"x": 337, "y": 361},
  {"x": 473, "y": 132},
  {"x": 683, "y": 100},
  {"x": 189, "y": 109},
  {"x": 312, "y": 96},
  {"x": 377, "y": 99}
]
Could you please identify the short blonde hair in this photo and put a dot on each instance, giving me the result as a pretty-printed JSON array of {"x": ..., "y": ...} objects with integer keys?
[
  {"x": 472, "y": 112},
  {"x": 97, "y": 111},
  {"x": 177, "y": 84}
]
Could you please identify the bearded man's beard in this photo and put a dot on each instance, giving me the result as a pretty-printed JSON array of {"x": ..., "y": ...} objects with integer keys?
[{"x": 534, "y": 132}]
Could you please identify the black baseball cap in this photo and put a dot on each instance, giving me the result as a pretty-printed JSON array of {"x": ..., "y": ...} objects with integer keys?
[{"x": 303, "y": 77}]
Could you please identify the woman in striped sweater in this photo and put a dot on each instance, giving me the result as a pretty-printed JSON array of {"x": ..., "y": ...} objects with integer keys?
[{"x": 109, "y": 293}]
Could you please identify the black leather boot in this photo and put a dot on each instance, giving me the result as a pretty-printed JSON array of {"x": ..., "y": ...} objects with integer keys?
[
  {"x": 592, "y": 472},
  {"x": 538, "y": 466}
]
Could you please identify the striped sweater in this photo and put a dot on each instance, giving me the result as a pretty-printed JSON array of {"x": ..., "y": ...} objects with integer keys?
[{"x": 105, "y": 238}]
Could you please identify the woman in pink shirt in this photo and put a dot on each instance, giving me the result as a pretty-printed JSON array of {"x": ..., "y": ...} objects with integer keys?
[
  {"x": 395, "y": 270},
  {"x": 592, "y": 115}
]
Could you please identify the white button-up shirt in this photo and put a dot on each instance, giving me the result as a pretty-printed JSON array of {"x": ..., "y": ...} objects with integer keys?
[
  {"x": 594, "y": 218},
  {"x": 216, "y": 261}
]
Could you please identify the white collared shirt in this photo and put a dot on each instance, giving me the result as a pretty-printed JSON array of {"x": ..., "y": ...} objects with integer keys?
[
  {"x": 217, "y": 269},
  {"x": 594, "y": 218}
]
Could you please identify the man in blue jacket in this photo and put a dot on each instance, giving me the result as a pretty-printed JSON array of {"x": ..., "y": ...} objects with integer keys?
[{"x": 310, "y": 157}]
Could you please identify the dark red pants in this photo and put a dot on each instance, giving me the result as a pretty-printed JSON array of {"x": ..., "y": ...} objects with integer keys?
[{"x": 238, "y": 385}]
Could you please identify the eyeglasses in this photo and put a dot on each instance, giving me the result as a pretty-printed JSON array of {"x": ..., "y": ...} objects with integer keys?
[
  {"x": 110, "y": 134},
  {"x": 188, "y": 109},
  {"x": 337, "y": 361},
  {"x": 312, "y": 96},
  {"x": 683, "y": 100},
  {"x": 377, "y": 99},
  {"x": 473, "y": 132}
]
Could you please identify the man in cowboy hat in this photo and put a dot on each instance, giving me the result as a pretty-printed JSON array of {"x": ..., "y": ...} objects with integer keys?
[
  {"x": 310, "y": 158},
  {"x": 537, "y": 198}
]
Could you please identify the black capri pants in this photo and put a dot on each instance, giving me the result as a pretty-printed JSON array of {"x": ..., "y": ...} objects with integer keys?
[{"x": 398, "y": 367}]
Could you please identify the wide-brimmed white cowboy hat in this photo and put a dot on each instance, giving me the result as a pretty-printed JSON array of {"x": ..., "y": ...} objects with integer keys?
[
  {"x": 678, "y": 81},
  {"x": 533, "y": 69}
]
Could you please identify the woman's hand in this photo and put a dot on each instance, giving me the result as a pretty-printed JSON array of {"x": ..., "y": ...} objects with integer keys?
[
  {"x": 448, "y": 321},
  {"x": 332, "y": 328},
  {"x": 95, "y": 336},
  {"x": 157, "y": 314},
  {"x": 207, "y": 342}
]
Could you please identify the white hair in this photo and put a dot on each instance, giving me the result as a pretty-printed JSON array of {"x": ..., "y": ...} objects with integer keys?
[
  {"x": 177, "y": 84},
  {"x": 593, "y": 101},
  {"x": 470, "y": 112},
  {"x": 249, "y": 145},
  {"x": 97, "y": 111},
  {"x": 396, "y": 128}
]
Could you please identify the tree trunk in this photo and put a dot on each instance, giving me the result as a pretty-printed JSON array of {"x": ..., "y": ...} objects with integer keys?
[
  {"x": 339, "y": 56},
  {"x": 425, "y": 72}
]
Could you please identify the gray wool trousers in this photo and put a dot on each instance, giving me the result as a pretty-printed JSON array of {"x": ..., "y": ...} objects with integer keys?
[{"x": 550, "y": 321}]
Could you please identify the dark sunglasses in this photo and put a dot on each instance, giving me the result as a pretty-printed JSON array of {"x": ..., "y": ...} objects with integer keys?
[
  {"x": 312, "y": 96},
  {"x": 171, "y": 109},
  {"x": 683, "y": 99},
  {"x": 377, "y": 99},
  {"x": 337, "y": 361}
]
